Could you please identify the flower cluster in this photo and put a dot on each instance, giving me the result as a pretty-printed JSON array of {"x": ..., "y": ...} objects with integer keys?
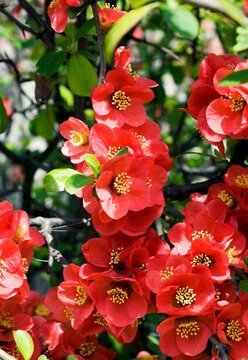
[
  {"x": 17, "y": 240},
  {"x": 220, "y": 111},
  {"x": 127, "y": 195}
]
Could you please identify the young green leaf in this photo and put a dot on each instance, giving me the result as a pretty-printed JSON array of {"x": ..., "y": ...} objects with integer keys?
[
  {"x": 55, "y": 179},
  {"x": 93, "y": 164},
  {"x": 76, "y": 182},
  {"x": 181, "y": 21},
  {"x": 71, "y": 357},
  {"x": 42, "y": 357},
  {"x": 24, "y": 343},
  {"x": 50, "y": 63},
  {"x": 122, "y": 26},
  {"x": 235, "y": 78},
  {"x": 81, "y": 75},
  {"x": 123, "y": 151},
  {"x": 243, "y": 285},
  {"x": 3, "y": 117}
]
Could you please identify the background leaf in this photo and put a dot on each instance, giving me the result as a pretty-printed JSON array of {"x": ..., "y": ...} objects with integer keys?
[
  {"x": 81, "y": 75},
  {"x": 243, "y": 285},
  {"x": 3, "y": 117},
  {"x": 24, "y": 343},
  {"x": 122, "y": 26},
  {"x": 93, "y": 164},
  {"x": 181, "y": 21},
  {"x": 50, "y": 63}
]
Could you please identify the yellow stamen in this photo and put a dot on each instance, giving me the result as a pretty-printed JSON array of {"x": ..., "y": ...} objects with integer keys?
[
  {"x": 81, "y": 295},
  {"x": 186, "y": 329},
  {"x": 3, "y": 268},
  {"x": 141, "y": 139},
  {"x": 120, "y": 101},
  {"x": 6, "y": 321},
  {"x": 112, "y": 151},
  {"x": 201, "y": 259},
  {"x": 99, "y": 319},
  {"x": 114, "y": 256},
  {"x": 79, "y": 138},
  {"x": 41, "y": 310},
  {"x": 200, "y": 234},
  {"x": 217, "y": 294},
  {"x": 118, "y": 295},
  {"x": 121, "y": 184},
  {"x": 138, "y": 322},
  {"x": 53, "y": 3},
  {"x": 68, "y": 313},
  {"x": 234, "y": 331},
  {"x": 167, "y": 272},
  {"x": 226, "y": 198},
  {"x": 242, "y": 181},
  {"x": 232, "y": 255},
  {"x": 238, "y": 103},
  {"x": 87, "y": 349},
  {"x": 185, "y": 296}
]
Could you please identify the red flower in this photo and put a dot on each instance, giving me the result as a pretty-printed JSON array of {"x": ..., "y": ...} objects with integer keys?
[
  {"x": 121, "y": 301},
  {"x": 120, "y": 100},
  {"x": 77, "y": 135},
  {"x": 108, "y": 16},
  {"x": 187, "y": 335},
  {"x": 186, "y": 294},
  {"x": 237, "y": 178}
]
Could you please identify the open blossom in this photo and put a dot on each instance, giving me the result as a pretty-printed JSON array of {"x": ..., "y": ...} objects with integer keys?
[{"x": 120, "y": 100}]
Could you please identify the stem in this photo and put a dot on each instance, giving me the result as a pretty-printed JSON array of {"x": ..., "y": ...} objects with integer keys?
[
  {"x": 23, "y": 27},
  {"x": 221, "y": 348},
  {"x": 102, "y": 71}
]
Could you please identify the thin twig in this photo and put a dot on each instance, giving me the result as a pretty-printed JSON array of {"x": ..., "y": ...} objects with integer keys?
[
  {"x": 102, "y": 71},
  {"x": 220, "y": 348},
  {"x": 23, "y": 27},
  {"x": 161, "y": 48}
]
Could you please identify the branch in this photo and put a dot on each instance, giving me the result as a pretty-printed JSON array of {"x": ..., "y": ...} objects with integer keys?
[
  {"x": 161, "y": 48},
  {"x": 6, "y": 356},
  {"x": 47, "y": 225},
  {"x": 220, "y": 347},
  {"x": 23, "y": 27},
  {"x": 102, "y": 71},
  {"x": 181, "y": 192}
]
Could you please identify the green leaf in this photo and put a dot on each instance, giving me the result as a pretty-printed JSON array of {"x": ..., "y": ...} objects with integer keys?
[
  {"x": 241, "y": 41},
  {"x": 232, "y": 11},
  {"x": 43, "y": 123},
  {"x": 246, "y": 260},
  {"x": 93, "y": 164},
  {"x": 74, "y": 11},
  {"x": 123, "y": 151},
  {"x": 243, "y": 285},
  {"x": 181, "y": 21},
  {"x": 3, "y": 117},
  {"x": 42, "y": 357},
  {"x": 55, "y": 179},
  {"x": 81, "y": 75},
  {"x": 235, "y": 78},
  {"x": 66, "y": 95},
  {"x": 138, "y": 3},
  {"x": 122, "y": 26},
  {"x": 24, "y": 343},
  {"x": 71, "y": 357},
  {"x": 76, "y": 182},
  {"x": 153, "y": 339},
  {"x": 87, "y": 27},
  {"x": 50, "y": 63}
]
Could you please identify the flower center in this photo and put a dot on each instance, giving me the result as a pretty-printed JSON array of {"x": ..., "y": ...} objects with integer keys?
[
  {"x": 185, "y": 296},
  {"x": 99, "y": 319},
  {"x": 118, "y": 295},
  {"x": 232, "y": 255},
  {"x": 200, "y": 234},
  {"x": 234, "y": 331},
  {"x": 121, "y": 184},
  {"x": 120, "y": 101},
  {"x": 21, "y": 233},
  {"x": 81, "y": 295},
  {"x": 226, "y": 198},
  {"x": 112, "y": 151},
  {"x": 241, "y": 181},
  {"x": 53, "y": 3},
  {"x": 141, "y": 139},
  {"x": 143, "y": 267},
  {"x": 3, "y": 268},
  {"x": 131, "y": 72},
  {"x": 167, "y": 272},
  {"x": 114, "y": 256},
  {"x": 217, "y": 294},
  {"x": 201, "y": 259},
  {"x": 15, "y": 353},
  {"x": 41, "y": 310},
  {"x": 138, "y": 322},
  {"x": 6, "y": 321},
  {"x": 79, "y": 138},
  {"x": 87, "y": 349},
  {"x": 25, "y": 267},
  {"x": 148, "y": 182},
  {"x": 231, "y": 67},
  {"x": 238, "y": 103},
  {"x": 68, "y": 313},
  {"x": 186, "y": 329}
]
